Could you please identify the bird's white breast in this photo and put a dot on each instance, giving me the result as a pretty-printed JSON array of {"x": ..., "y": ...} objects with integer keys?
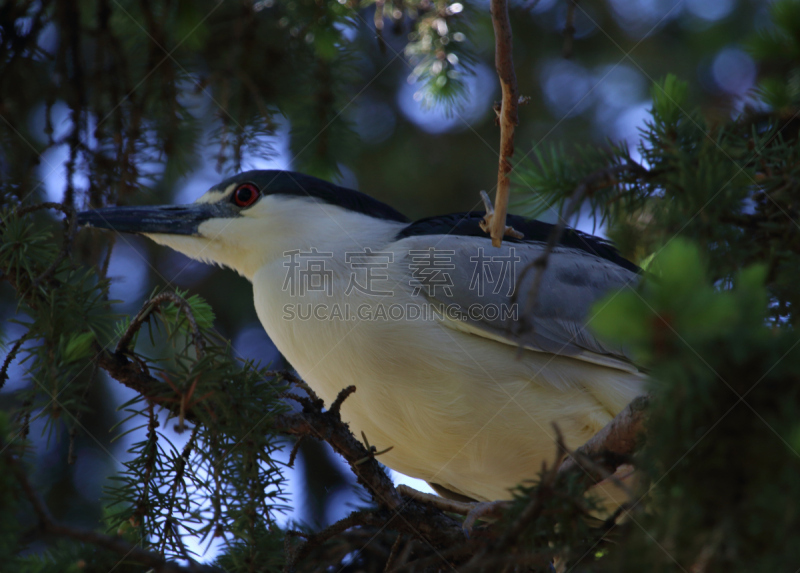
[{"x": 459, "y": 410}]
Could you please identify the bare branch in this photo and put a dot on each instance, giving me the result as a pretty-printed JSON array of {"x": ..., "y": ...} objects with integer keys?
[
  {"x": 343, "y": 395},
  {"x": 612, "y": 446},
  {"x": 508, "y": 118}
]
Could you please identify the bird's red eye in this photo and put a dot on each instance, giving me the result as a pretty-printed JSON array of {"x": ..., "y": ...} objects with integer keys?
[{"x": 245, "y": 195}]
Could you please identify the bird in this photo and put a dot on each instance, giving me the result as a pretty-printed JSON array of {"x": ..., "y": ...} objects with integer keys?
[{"x": 421, "y": 316}]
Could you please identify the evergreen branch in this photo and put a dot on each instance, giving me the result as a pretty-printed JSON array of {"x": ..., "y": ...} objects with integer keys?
[
  {"x": 70, "y": 228},
  {"x": 535, "y": 505},
  {"x": 325, "y": 426},
  {"x": 419, "y": 520},
  {"x": 128, "y": 551},
  {"x": 151, "y": 306}
]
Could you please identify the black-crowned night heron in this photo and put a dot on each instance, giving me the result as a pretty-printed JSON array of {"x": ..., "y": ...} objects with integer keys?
[{"x": 416, "y": 315}]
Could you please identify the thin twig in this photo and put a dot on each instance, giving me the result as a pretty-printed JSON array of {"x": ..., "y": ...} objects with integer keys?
[
  {"x": 483, "y": 510},
  {"x": 569, "y": 29},
  {"x": 41, "y": 206},
  {"x": 295, "y": 450},
  {"x": 343, "y": 395},
  {"x": 439, "y": 561},
  {"x": 508, "y": 118},
  {"x": 393, "y": 552},
  {"x": 10, "y": 357}
]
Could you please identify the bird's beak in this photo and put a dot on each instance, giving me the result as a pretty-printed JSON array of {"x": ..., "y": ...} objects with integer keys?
[{"x": 165, "y": 219}]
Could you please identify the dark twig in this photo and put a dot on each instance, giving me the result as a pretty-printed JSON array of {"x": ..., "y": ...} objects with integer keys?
[
  {"x": 177, "y": 483},
  {"x": 569, "y": 28},
  {"x": 337, "y": 403},
  {"x": 295, "y": 450},
  {"x": 10, "y": 357},
  {"x": 372, "y": 451},
  {"x": 405, "y": 555},
  {"x": 495, "y": 223},
  {"x": 483, "y": 510},
  {"x": 151, "y": 306},
  {"x": 393, "y": 552},
  {"x": 439, "y": 561}
]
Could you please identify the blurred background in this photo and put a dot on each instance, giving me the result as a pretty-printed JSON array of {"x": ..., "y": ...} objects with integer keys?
[{"x": 373, "y": 116}]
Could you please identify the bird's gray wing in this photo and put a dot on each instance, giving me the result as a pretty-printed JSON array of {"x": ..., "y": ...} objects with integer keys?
[{"x": 473, "y": 283}]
